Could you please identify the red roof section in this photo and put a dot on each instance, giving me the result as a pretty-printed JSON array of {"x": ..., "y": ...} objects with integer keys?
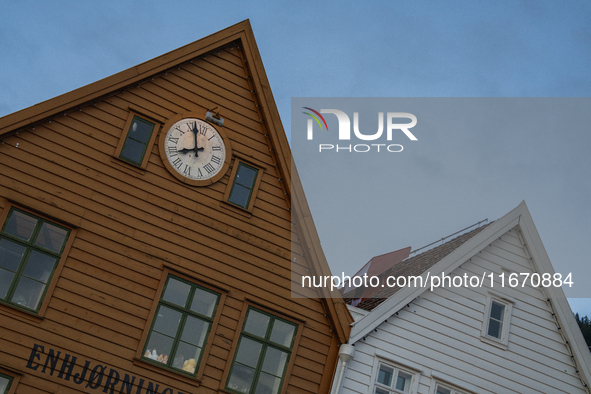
[{"x": 413, "y": 266}]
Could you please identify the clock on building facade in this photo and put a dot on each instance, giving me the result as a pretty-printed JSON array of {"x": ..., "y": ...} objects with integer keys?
[{"x": 194, "y": 151}]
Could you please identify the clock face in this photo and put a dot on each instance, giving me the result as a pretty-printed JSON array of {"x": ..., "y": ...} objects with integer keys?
[{"x": 195, "y": 151}]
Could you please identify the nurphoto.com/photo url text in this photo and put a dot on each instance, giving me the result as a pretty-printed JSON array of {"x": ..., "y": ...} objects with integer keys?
[{"x": 441, "y": 280}]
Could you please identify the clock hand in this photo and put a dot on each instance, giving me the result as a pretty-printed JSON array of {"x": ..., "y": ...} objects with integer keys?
[
  {"x": 196, "y": 149},
  {"x": 194, "y": 130}
]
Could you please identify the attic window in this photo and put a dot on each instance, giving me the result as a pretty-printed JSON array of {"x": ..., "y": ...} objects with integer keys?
[
  {"x": 245, "y": 183},
  {"x": 495, "y": 320},
  {"x": 137, "y": 140},
  {"x": 495, "y": 328}
]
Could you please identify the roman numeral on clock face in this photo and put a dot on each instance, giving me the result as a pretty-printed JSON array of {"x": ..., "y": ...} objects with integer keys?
[
  {"x": 202, "y": 129},
  {"x": 187, "y": 170},
  {"x": 216, "y": 160},
  {"x": 177, "y": 163},
  {"x": 173, "y": 140},
  {"x": 209, "y": 168}
]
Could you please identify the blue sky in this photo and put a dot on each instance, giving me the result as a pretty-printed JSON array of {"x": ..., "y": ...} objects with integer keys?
[{"x": 349, "y": 49}]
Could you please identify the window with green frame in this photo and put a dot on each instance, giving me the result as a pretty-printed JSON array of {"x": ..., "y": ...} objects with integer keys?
[
  {"x": 181, "y": 325},
  {"x": 136, "y": 143},
  {"x": 243, "y": 185},
  {"x": 262, "y": 355},
  {"x": 5, "y": 382},
  {"x": 30, "y": 250}
]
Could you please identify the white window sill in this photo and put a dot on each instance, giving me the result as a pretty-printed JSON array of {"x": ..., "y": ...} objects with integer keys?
[{"x": 494, "y": 342}]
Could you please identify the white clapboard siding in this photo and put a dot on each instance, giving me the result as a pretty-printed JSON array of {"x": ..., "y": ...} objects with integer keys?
[{"x": 439, "y": 334}]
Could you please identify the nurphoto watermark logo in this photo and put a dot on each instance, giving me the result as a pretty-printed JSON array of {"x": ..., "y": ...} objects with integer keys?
[{"x": 393, "y": 125}]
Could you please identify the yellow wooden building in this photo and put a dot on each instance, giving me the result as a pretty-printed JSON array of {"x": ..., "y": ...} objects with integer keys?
[{"x": 146, "y": 236}]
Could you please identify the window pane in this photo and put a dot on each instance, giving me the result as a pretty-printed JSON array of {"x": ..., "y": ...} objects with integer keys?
[
  {"x": 494, "y": 328},
  {"x": 275, "y": 361},
  {"x": 4, "y": 384},
  {"x": 245, "y": 176},
  {"x": 282, "y": 333},
  {"x": 239, "y": 195},
  {"x": 195, "y": 331},
  {"x": 204, "y": 302},
  {"x": 385, "y": 375},
  {"x": 39, "y": 266},
  {"x": 181, "y": 362},
  {"x": 497, "y": 310},
  {"x": 28, "y": 293},
  {"x": 133, "y": 151},
  {"x": 187, "y": 357},
  {"x": 20, "y": 225},
  {"x": 268, "y": 384},
  {"x": 176, "y": 292},
  {"x": 248, "y": 352},
  {"x": 159, "y": 347},
  {"x": 11, "y": 254},
  {"x": 140, "y": 130},
  {"x": 5, "y": 281},
  {"x": 442, "y": 390},
  {"x": 381, "y": 391},
  {"x": 167, "y": 321},
  {"x": 403, "y": 382},
  {"x": 257, "y": 323},
  {"x": 241, "y": 378},
  {"x": 51, "y": 237}
]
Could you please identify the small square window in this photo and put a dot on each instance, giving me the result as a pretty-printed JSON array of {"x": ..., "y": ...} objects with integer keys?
[
  {"x": 138, "y": 137},
  {"x": 181, "y": 326},
  {"x": 5, "y": 383},
  {"x": 245, "y": 179},
  {"x": 243, "y": 185},
  {"x": 30, "y": 250},
  {"x": 392, "y": 380},
  {"x": 263, "y": 354},
  {"x": 136, "y": 142}
]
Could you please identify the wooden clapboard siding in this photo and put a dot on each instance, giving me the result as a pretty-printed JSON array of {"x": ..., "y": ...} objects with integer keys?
[
  {"x": 440, "y": 332},
  {"x": 87, "y": 347},
  {"x": 133, "y": 223}
]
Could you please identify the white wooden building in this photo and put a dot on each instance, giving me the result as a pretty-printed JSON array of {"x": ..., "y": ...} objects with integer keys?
[{"x": 464, "y": 340}]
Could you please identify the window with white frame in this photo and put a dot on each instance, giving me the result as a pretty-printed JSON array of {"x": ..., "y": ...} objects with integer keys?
[
  {"x": 495, "y": 320},
  {"x": 440, "y": 389},
  {"x": 497, "y": 317},
  {"x": 391, "y": 379}
]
